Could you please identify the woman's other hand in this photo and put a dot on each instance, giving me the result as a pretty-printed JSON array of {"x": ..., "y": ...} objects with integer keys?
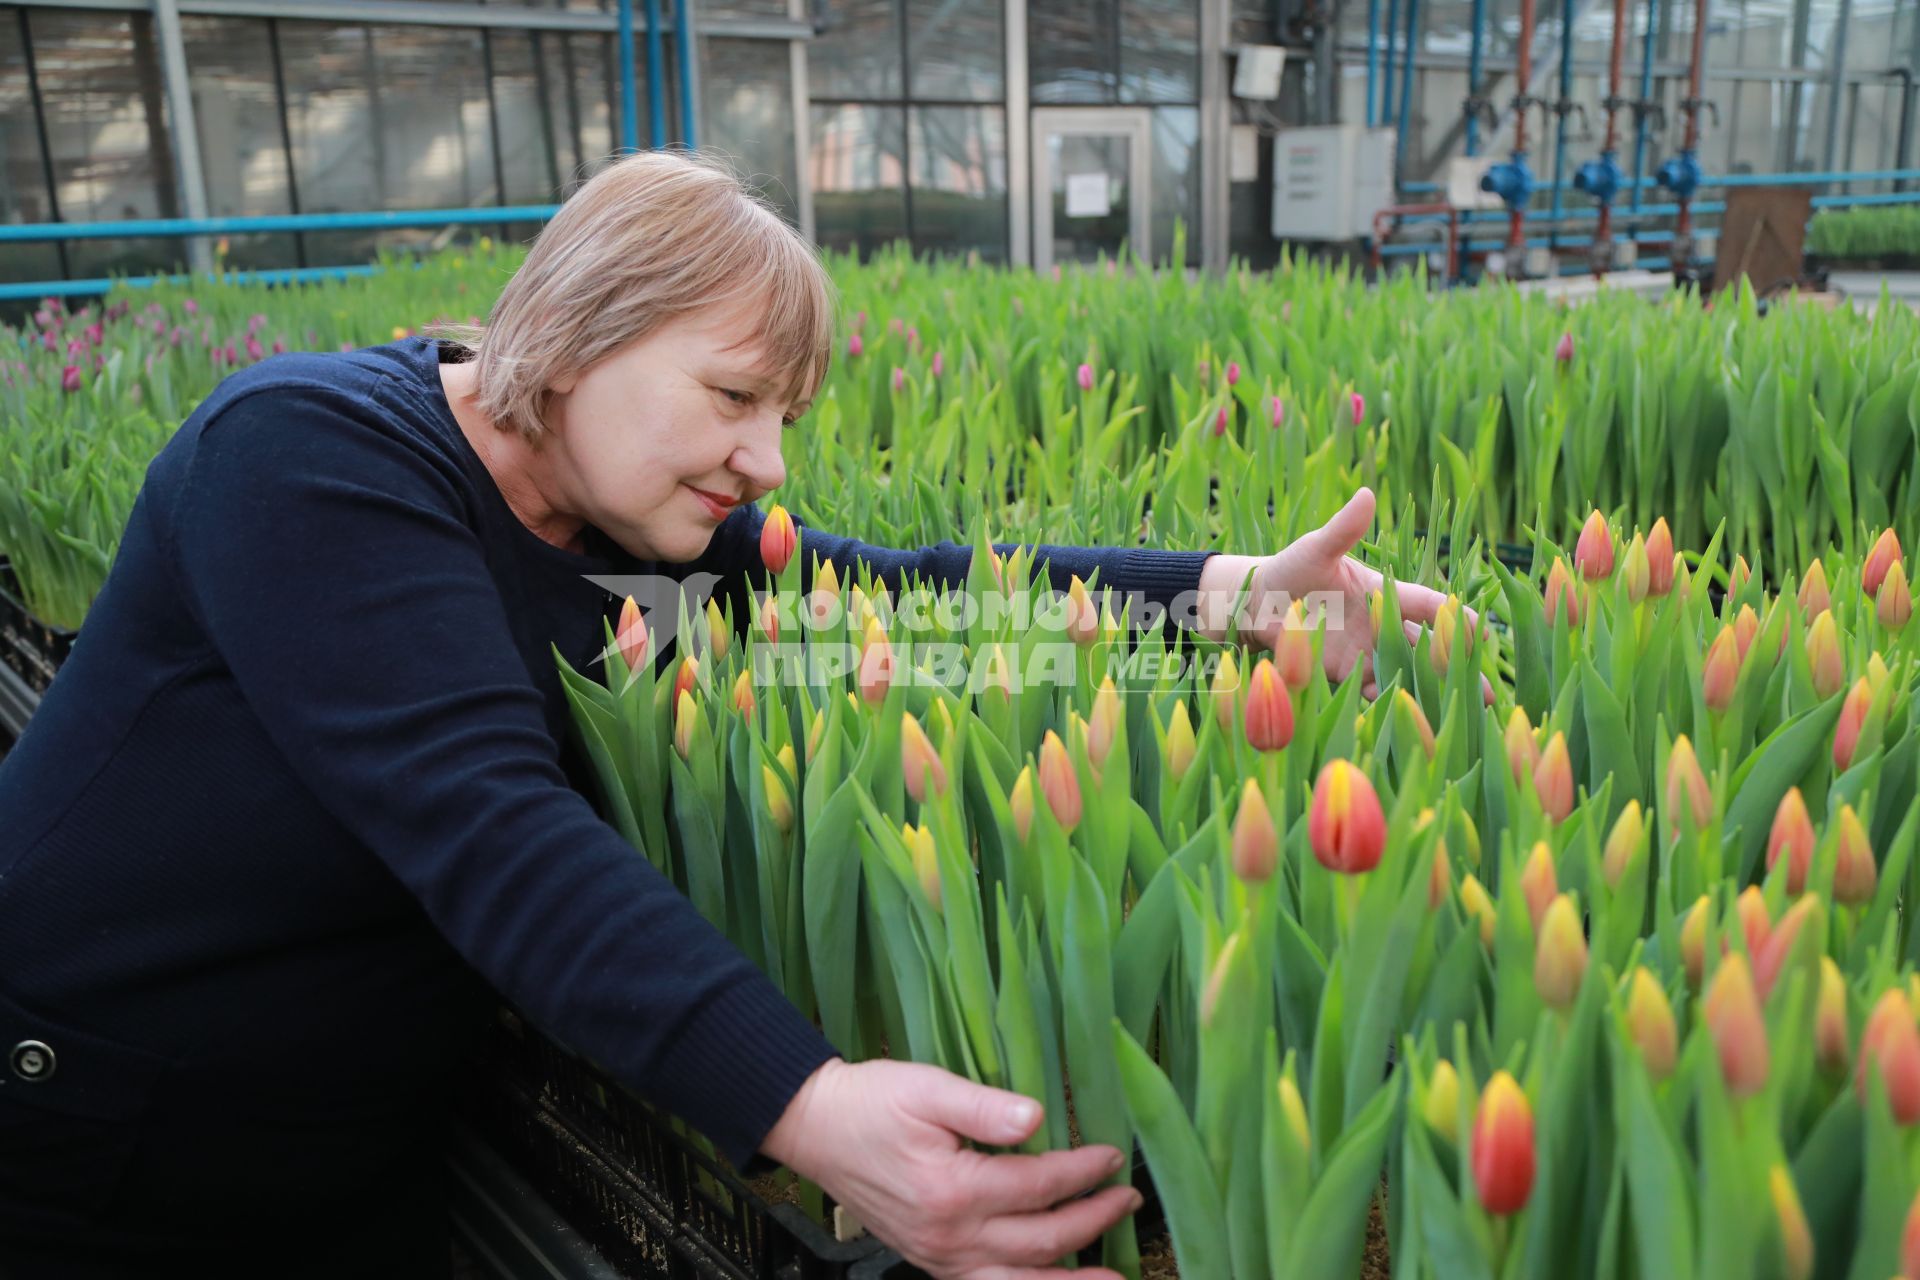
[{"x": 889, "y": 1141}]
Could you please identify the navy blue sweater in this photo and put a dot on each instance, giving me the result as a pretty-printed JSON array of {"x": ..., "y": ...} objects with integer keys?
[{"x": 301, "y": 794}]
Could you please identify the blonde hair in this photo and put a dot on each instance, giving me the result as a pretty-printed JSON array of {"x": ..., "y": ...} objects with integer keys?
[{"x": 654, "y": 236}]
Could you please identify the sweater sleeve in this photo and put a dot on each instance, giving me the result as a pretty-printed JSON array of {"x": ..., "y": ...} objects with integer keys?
[
  {"x": 1153, "y": 578},
  {"x": 328, "y": 563}
]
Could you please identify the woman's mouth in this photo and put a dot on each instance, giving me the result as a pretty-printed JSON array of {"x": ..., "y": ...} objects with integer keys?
[{"x": 719, "y": 506}]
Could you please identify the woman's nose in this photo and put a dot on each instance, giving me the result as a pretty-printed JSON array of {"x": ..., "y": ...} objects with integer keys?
[{"x": 758, "y": 458}]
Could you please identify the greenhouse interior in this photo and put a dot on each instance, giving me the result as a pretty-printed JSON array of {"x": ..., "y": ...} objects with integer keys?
[{"x": 977, "y": 639}]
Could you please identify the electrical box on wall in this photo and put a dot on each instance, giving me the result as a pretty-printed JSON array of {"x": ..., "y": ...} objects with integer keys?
[
  {"x": 1329, "y": 181},
  {"x": 1257, "y": 69}
]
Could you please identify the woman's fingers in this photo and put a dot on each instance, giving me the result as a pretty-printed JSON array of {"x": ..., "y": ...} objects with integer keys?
[
  {"x": 1418, "y": 603},
  {"x": 1030, "y": 1184},
  {"x": 992, "y": 1116},
  {"x": 1039, "y": 1238}
]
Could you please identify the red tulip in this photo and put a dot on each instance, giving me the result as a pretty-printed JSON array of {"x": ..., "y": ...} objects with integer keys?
[
  {"x": 1814, "y": 597},
  {"x": 1660, "y": 558},
  {"x": 1539, "y": 885},
  {"x": 1853, "y": 718},
  {"x": 1891, "y": 1043},
  {"x": 631, "y": 635},
  {"x": 1772, "y": 957},
  {"x": 1563, "y": 349},
  {"x": 1885, "y": 554},
  {"x": 1894, "y": 604},
  {"x": 1687, "y": 785},
  {"x": 70, "y": 378},
  {"x": 777, "y": 540},
  {"x": 1722, "y": 672},
  {"x": 1855, "y": 873},
  {"x": 1561, "y": 594},
  {"x": 1553, "y": 779},
  {"x": 1593, "y": 554},
  {"x": 1345, "y": 827},
  {"x": 1824, "y": 656},
  {"x": 1503, "y": 1155},
  {"x": 1269, "y": 711},
  {"x": 688, "y": 675},
  {"x": 1256, "y": 845},
  {"x": 1792, "y": 835},
  {"x": 1739, "y": 1031},
  {"x": 1059, "y": 782}
]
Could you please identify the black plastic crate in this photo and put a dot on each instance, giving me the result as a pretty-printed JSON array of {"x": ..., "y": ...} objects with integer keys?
[
  {"x": 30, "y": 648},
  {"x": 645, "y": 1193}
]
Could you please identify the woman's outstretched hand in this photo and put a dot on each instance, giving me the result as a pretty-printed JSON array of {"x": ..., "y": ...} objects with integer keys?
[
  {"x": 1318, "y": 570},
  {"x": 888, "y": 1140}
]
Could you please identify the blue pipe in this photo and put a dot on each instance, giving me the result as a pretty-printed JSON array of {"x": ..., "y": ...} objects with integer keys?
[
  {"x": 1566, "y": 96},
  {"x": 1373, "y": 62},
  {"x": 1745, "y": 180},
  {"x": 1474, "y": 71},
  {"x": 1406, "y": 92},
  {"x": 629, "y": 83},
  {"x": 684, "y": 53},
  {"x": 1646, "y": 94},
  {"x": 1393, "y": 36},
  {"x": 656, "y": 77},
  {"x": 273, "y": 222},
  {"x": 34, "y": 290}
]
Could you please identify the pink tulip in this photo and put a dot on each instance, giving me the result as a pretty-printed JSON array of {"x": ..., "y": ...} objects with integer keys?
[
  {"x": 346, "y": 346},
  {"x": 254, "y": 350},
  {"x": 938, "y": 364},
  {"x": 1233, "y": 372},
  {"x": 1220, "y": 422},
  {"x": 1563, "y": 350},
  {"x": 191, "y": 307},
  {"x": 853, "y": 345},
  {"x": 256, "y": 322},
  {"x": 895, "y": 325},
  {"x": 95, "y": 333},
  {"x": 859, "y": 321},
  {"x": 70, "y": 378},
  {"x": 279, "y": 347},
  {"x": 1359, "y": 408},
  {"x": 1086, "y": 377},
  {"x": 899, "y": 378}
]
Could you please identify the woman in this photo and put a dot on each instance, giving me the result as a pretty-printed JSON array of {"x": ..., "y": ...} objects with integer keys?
[{"x": 298, "y": 802}]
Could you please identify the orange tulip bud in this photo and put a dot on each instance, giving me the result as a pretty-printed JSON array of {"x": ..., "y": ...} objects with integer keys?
[
  {"x": 1746, "y": 626},
  {"x": 743, "y": 700},
  {"x": 1855, "y": 873},
  {"x": 1682, "y": 578},
  {"x": 631, "y": 635},
  {"x": 1083, "y": 617},
  {"x": 1792, "y": 835},
  {"x": 1796, "y": 1240},
  {"x": 1440, "y": 878},
  {"x": 1103, "y": 725},
  {"x": 686, "y": 716},
  {"x": 1442, "y": 1108},
  {"x": 1293, "y": 1109},
  {"x": 1293, "y": 650},
  {"x": 1181, "y": 748},
  {"x": 1636, "y": 571},
  {"x": 1756, "y": 922},
  {"x": 1739, "y": 1032},
  {"x": 1629, "y": 829},
  {"x": 1910, "y": 1244},
  {"x": 1503, "y": 1155},
  {"x": 1686, "y": 785},
  {"x": 1226, "y": 682},
  {"x": 779, "y": 803},
  {"x": 1693, "y": 941},
  {"x": 1853, "y": 718},
  {"x": 688, "y": 676},
  {"x": 1256, "y": 845},
  {"x": 1269, "y": 709},
  {"x": 1894, "y": 605},
  {"x": 1661, "y": 562},
  {"x": 1814, "y": 598},
  {"x": 1561, "y": 594},
  {"x": 814, "y": 730},
  {"x": 920, "y": 764},
  {"x": 926, "y": 860},
  {"x": 719, "y": 635},
  {"x": 1650, "y": 1023},
  {"x": 1020, "y": 801},
  {"x": 1405, "y": 701},
  {"x": 1772, "y": 956},
  {"x": 1877, "y": 673},
  {"x": 1553, "y": 779},
  {"x": 767, "y": 620},
  {"x": 1830, "y": 1019},
  {"x": 1823, "y": 654},
  {"x": 777, "y": 540},
  {"x": 1880, "y": 561},
  {"x": 876, "y": 663},
  {"x": 1345, "y": 827},
  {"x": 1059, "y": 782},
  {"x": 1479, "y": 908},
  {"x": 1737, "y": 580},
  {"x": 1560, "y": 955},
  {"x": 1722, "y": 672},
  {"x": 1593, "y": 554},
  {"x": 1523, "y": 753},
  {"x": 1891, "y": 1044},
  {"x": 1446, "y": 626},
  {"x": 827, "y": 581},
  {"x": 1539, "y": 882}
]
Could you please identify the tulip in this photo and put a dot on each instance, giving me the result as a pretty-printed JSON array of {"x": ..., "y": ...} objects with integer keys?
[
  {"x": 1523, "y": 754},
  {"x": 1220, "y": 421},
  {"x": 1226, "y": 679},
  {"x": 1101, "y": 728},
  {"x": 1814, "y": 597},
  {"x": 876, "y": 663},
  {"x": 1539, "y": 883},
  {"x": 1910, "y": 1244},
  {"x": 1891, "y": 1044},
  {"x": 1059, "y": 782},
  {"x": 1894, "y": 604},
  {"x": 1853, "y": 718},
  {"x": 688, "y": 675},
  {"x": 1479, "y": 908},
  {"x": 1563, "y": 349},
  {"x": 1217, "y": 980},
  {"x": 779, "y": 804},
  {"x": 1739, "y": 1032},
  {"x": 1773, "y": 954},
  {"x": 1277, "y": 414},
  {"x": 1796, "y": 1240},
  {"x": 1083, "y": 618},
  {"x": 1685, "y": 782},
  {"x": 1721, "y": 674},
  {"x": 777, "y": 540},
  {"x": 1855, "y": 873},
  {"x": 855, "y": 346},
  {"x": 1561, "y": 595},
  {"x": 1440, "y": 878},
  {"x": 926, "y": 861},
  {"x": 1442, "y": 1108},
  {"x": 1086, "y": 377},
  {"x": 1269, "y": 710},
  {"x": 1404, "y": 700},
  {"x": 1650, "y": 1023},
  {"x": 1593, "y": 554},
  {"x": 1746, "y": 626},
  {"x": 1737, "y": 580},
  {"x": 1553, "y": 779},
  {"x": 1880, "y": 561},
  {"x": 814, "y": 731},
  {"x": 1345, "y": 826},
  {"x": 1293, "y": 650},
  {"x": 1446, "y": 625},
  {"x": 1636, "y": 571},
  {"x": 1293, "y": 1109},
  {"x": 1792, "y": 835},
  {"x": 920, "y": 764},
  {"x": 1693, "y": 941},
  {"x": 938, "y": 364},
  {"x": 1256, "y": 845},
  {"x": 1503, "y": 1155},
  {"x": 742, "y": 700},
  {"x": 1823, "y": 654},
  {"x": 1830, "y": 1018},
  {"x": 1682, "y": 578},
  {"x": 1877, "y": 673},
  {"x": 1358, "y": 403},
  {"x": 686, "y": 715},
  {"x": 631, "y": 635},
  {"x": 1756, "y": 922},
  {"x": 1622, "y": 843},
  {"x": 1180, "y": 746},
  {"x": 1661, "y": 561},
  {"x": 1020, "y": 801},
  {"x": 70, "y": 378},
  {"x": 1560, "y": 955},
  {"x": 899, "y": 379}
]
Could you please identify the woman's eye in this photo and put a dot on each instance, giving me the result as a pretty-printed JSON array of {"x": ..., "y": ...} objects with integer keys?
[{"x": 738, "y": 397}]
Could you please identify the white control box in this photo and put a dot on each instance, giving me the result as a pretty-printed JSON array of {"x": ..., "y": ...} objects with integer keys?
[{"x": 1329, "y": 181}]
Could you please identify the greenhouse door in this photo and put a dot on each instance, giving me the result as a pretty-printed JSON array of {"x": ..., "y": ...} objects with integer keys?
[{"x": 1092, "y": 176}]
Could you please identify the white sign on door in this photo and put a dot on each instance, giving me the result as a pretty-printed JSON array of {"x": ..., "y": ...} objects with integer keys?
[{"x": 1087, "y": 195}]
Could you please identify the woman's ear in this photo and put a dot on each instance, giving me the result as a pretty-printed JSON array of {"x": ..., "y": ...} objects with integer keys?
[{"x": 563, "y": 384}]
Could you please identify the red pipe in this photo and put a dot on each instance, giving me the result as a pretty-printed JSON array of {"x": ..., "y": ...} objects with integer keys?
[
  {"x": 1603, "y": 234},
  {"x": 1692, "y": 107},
  {"x": 1392, "y": 212},
  {"x": 1522, "y": 82}
]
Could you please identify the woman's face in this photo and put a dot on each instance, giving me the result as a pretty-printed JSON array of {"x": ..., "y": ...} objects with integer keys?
[{"x": 657, "y": 443}]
